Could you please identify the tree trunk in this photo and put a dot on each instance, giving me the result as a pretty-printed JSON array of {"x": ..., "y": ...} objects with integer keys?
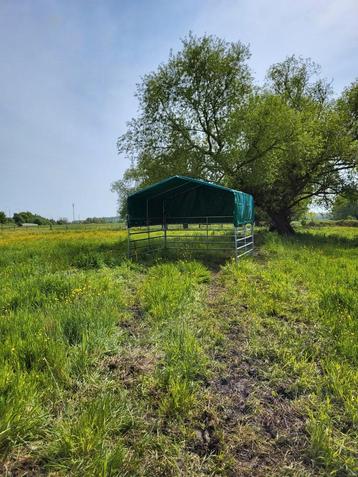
[{"x": 281, "y": 223}]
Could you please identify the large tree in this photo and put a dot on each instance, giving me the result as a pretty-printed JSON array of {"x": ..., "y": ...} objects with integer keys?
[
  {"x": 186, "y": 106},
  {"x": 297, "y": 145},
  {"x": 185, "y": 110},
  {"x": 200, "y": 115},
  {"x": 318, "y": 156}
]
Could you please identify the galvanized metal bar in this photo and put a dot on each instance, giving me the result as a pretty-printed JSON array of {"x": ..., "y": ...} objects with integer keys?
[
  {"x": 147, "y": 238},
  {"x": 244, "y": 253},
  {"x": 243, "y": 238},
  {"x": 201, "y": 236},
  {"x": 243, "y": 246},
  {"x": 144, "y": 231},
  {"x": 199, "y": 249},
  {"x": 149, "y": 251},
  {"x": 199, "y": 242}
]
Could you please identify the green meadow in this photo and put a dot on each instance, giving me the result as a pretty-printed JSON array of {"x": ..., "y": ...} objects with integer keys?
[{"x": 178, "y": 366}]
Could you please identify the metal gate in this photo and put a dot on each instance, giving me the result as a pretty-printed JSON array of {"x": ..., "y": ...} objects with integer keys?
[{"x": 199, "y": 234}]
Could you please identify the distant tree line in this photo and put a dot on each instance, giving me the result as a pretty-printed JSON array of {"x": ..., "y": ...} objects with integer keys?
[
  {"x": 20, "y": 218},
  {"x": 345, "y": 207},
  {"x": 95, "y": 220},
  {"x": 288, "y": 142}
]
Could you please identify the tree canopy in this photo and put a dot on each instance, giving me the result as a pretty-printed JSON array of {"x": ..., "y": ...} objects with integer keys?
[{"x": 200, "y": 114}]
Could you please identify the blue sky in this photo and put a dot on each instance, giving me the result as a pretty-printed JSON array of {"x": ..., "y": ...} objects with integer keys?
[{"x": 69, "y": 71}]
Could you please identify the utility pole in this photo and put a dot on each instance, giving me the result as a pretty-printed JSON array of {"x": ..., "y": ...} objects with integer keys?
[{"x": 73, "y": 212}]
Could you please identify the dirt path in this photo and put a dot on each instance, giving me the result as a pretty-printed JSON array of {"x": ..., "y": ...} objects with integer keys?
[{"x": 259, "y": 426}]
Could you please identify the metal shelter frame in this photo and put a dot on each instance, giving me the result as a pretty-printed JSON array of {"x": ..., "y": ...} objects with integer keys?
[{"x": 201, "y": 234}]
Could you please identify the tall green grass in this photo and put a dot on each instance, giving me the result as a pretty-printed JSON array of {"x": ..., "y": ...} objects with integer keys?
[
  {"x": 170, "y": 295},
  {"x": 59, "y": 315},
  {"x": 301, "y": 317},
  {"x": 106, "y": 365},
  {"x": 68, "y": 308}
]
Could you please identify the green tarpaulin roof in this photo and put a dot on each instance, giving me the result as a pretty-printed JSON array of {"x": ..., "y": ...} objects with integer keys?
[{"x": 180, "y": 199}]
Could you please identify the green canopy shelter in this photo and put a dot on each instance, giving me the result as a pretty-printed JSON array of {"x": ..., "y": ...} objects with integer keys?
[{"x": 180, "y": 201}]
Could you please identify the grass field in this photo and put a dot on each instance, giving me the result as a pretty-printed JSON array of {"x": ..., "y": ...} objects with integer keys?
[{"x": 115, "y": 368}]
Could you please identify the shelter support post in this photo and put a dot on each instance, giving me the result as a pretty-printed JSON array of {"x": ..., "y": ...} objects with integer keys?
[
  {"x": 128, "y": 239},
  {"x": 164, "y": 226},
  {"x": 235, "y": 242}
]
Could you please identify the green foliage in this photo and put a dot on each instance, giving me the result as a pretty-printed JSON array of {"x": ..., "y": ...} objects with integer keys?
[
  {"x": 185, "y": 108},
  {"x": 348, "y": 105},
  {"x": 21, "y": 218},
  {"x": 345, "y": 207},
  {"x": 123, "y": 188},
  {"x": 95, "y": 220},
  {"x": 201, "y": 116},
  {"x": 2, "y": 217},
  {"x": 293, "y": 80}
]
